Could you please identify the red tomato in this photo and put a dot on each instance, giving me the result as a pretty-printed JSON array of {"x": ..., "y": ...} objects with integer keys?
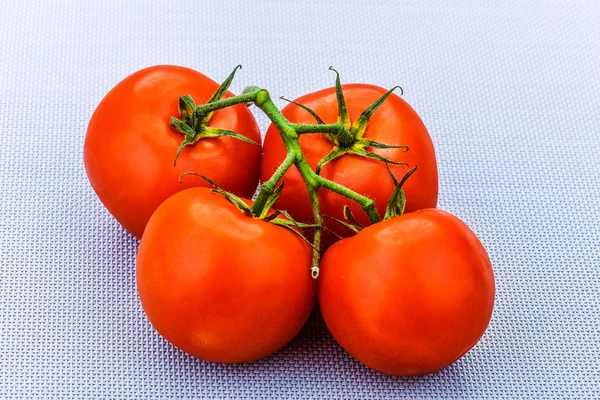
[
  {"x": 394, "y": 123},
  {"x": 130, "y": 147},
  {"x": 410, "y": 295},
  {"x": 220, "y": 285}
]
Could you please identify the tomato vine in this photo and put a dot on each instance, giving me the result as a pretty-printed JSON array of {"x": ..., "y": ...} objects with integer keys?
[{"x": 346, "y": 137}]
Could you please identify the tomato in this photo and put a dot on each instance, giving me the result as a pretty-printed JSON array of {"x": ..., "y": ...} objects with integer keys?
[
  {"x": 409, "y": 295},
  {"x": 221, "y": 285},
  {"x": 393, "y": 123},
  {"x": 130, "y": 147}
]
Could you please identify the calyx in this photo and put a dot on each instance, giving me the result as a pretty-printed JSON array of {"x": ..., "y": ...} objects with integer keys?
[
  {"x": 350, "y": 137},
  {"x": 395, "y": 207},
  {"x": 193, "y": 120}
]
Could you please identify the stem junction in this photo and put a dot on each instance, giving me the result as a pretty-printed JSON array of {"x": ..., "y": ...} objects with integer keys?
[{"x": 346, "y": 137}]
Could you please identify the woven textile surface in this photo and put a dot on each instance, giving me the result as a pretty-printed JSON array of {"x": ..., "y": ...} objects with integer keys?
[{"x": 510, "y": 93}]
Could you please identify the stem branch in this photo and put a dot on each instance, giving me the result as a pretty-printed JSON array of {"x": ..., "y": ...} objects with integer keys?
[
  {"x": 289, "y": 134},
  {"x": 231, "y": 101},
  {"x": 317, "y": 128},
  {"x": 366, "y": 203}
]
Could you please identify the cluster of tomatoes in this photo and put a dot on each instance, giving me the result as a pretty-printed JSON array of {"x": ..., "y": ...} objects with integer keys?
[{"x": 405, "y": 296}]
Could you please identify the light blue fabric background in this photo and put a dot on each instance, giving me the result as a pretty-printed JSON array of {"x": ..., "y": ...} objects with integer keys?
[{"x": 510, "y": 92}]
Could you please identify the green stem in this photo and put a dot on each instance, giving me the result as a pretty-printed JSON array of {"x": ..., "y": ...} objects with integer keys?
[
  {"x": 231, "y": 101},
  {"x": 366, "y": 203},
  {"x": 267, "y": 188},
  {"x": 318, "y": 217},
  {"x": 290, "y": 134},
  {"x": 312, "y": 186},
  {"x": 334, "y": 129}
]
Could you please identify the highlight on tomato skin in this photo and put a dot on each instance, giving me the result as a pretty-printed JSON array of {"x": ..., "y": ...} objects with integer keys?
[
  {"x": 220, "y": 285},
  {"x": 395, "y": 122},
  {"x": 130, "y": 147},
  {"x": 409, "y": 295}
]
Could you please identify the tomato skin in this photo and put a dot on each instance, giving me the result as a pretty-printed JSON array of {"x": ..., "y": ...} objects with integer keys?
[
  {"x": 220, "y": 285},
  {"x": 130, "y": 147},
  {"x": 394, "y": 123},
  {"x": 410, "y": 295}
]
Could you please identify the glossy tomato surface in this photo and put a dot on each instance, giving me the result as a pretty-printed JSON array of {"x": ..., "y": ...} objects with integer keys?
[
  {"x": 130, "y": 147},
  {"x": 393, "y": 123},
  {"x": 220, "y": 285},
  {"x": 410, "y": 295}
]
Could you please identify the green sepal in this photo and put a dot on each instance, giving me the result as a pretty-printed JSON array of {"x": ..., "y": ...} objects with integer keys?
[
  {"x": 187, "y": 107},
  {"x": 342, "y": 223},
  {"x": 192, "y": 137},
  {"x": 210, "y": 132},
  {"x": 272, "y": 216},
  {"x": 293, "y": 225},
  {"x": 232, "y": 198},
  {"x": 360, "y": 151},
  {"x": 193, "y": 122},
  {"x": 271, "y": 200},
  {"x": 343, "y": 116},
  {"x": 218, "y": 95},
  {"x": 377, "y": 145},
  {"x": 305, "y": 108},
  {"x": 351, "y": 223},
  {"x": 336, "y": 152},
  {"x": 236, "y": 201},
  {"x": 392, "y": 175},
  {"x": 289, "y": 221},
  {"x": 350, "y": 139},
  {"x": 182, "y": 127},
  {"x": 186, "y": 142},
  {"x": 397, "y": 202},
  {"x": 348, "y": 215},
  {"x": 360, "y": 125}
]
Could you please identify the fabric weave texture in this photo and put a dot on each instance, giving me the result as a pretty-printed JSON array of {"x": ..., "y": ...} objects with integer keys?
[{"x": 510, "y": 93}]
